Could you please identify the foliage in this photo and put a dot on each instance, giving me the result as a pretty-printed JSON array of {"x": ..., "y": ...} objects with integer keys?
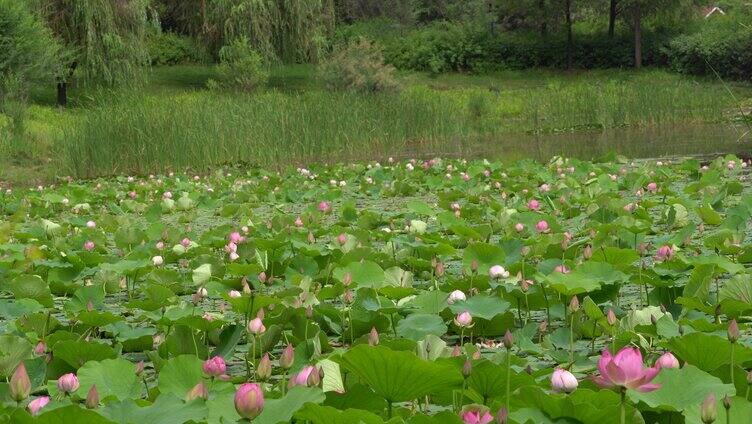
[
  {"x": 240, "y": 66},
  {"x": 358, "y": 66},
  {"x": 167, "y": 48},
  {"x": 167, "y": 269}
]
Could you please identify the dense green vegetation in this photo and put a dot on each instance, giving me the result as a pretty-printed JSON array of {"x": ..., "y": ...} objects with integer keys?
[{"x": 439, "y": 291}]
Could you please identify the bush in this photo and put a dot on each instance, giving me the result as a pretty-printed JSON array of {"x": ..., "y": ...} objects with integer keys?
[
  {"x": 241, "y": 66},
  {"x": 167, "y": 48},
  {"x": 358, "y": 66},
  {"x": 723, "y": 45}
]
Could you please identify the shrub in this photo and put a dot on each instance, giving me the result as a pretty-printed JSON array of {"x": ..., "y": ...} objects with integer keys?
[
  {"x": 723, "y": 46},
  {"x": 358, "y": 66},
  {"x": 167, "y": 48},
  {"x": 241, "y": 66}
]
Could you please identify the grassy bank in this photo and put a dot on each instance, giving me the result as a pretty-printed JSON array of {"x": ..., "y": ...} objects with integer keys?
[{"x": 174, "y": 123}]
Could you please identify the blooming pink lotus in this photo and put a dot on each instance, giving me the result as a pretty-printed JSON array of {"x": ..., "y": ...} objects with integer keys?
[
  {"x": 324, "y": 206},
  {"x": 215, "y": 366},
  {"x": 626, "y": 370},
  {"x": 665, "y": 252},
  {"x": 476, "y": 416}
]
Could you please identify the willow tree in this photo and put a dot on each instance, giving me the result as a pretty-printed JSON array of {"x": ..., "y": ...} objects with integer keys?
[
  {"x": 104, "y": 40},
  {"x": 288, "y": 30},
  {"x": 639, "y": 10}
]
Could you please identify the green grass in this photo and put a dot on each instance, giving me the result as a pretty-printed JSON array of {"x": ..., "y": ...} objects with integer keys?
[{"x": 173, "y": 122}]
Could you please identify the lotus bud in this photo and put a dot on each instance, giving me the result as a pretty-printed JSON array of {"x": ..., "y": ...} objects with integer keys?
[
  {"x": 508, "y": 340},
  {"x": 727, "y": 403},
  {"x": 708, "y": 412},
  {"x": 214, "y": 367},
  {"x": 439, "y": 269},
  {"x": 498, "y": 271},
  {"x": 667, "y": 360},
  {"x": 733, "y": 331},
  {"x": 92, "y": 398},
  {"x": 543, "y": 326},
  {"x": 519, "y": 227},
  {"x": 20, "y": 384},
  {"x": 476, "y": 355},
  {"x": 502, "y": 416},
  {"x": 348, "y": 297},
  {"x": 474, "y": 265},
  {"x": 234, "y": 294},
  {"x": 467, "y": 367},
  {"x": 563, "y": 381},
  {"x": 157, "y": 260},
  {"x": 653, "y": 320},
  {"x": 574, "y": 304},
  {"x": 249, "y": 400},
  {"x": 456, "y": 296},
  {"x": 456, "y": 351},
  {"x": 264, "y": 368},
  {"x": 587, "y": 253},
  {"x": 463, "y": 319},
  {"x": 373, "y": 337},
  {"x": 342, "y": 239},
  {"x": 256, "y": 327},
  {"x": 37, "y": 404},
  {"x": 287, "y": 358},
  {"x": 347, "y": 279},
  {"x": 139, "y": 368},
  {"x": 41, "y": 348},
  {"x": 67, "y": 383}
]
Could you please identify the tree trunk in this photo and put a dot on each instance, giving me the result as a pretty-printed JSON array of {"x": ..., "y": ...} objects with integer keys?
[
  {"x": 62, "y": 94},
  {"x": 570, "y": 38},
  {"x": 637, "y": 37},
  {"x": 542, "y": 11},
  {"x": 612, "y": 19}
]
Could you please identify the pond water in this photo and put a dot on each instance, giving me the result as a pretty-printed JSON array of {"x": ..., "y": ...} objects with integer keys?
[{"x": 706, "y": 140}]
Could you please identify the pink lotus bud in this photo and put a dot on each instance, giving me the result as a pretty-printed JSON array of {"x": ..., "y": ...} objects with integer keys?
[
  {"x": 653, "y": 187},
  {"x": 456, "y": 351},
  {"x": 231, "y": 247},
  {"x": 611, "y": 317},
  {"x": 574, "y": 304},
  {"x": 215, "y": 366},
  {"x": 199, "y": 391},
  {"x": 533, "y": 205},
  {"x": 234, "y": 294},
  {"x": 234, "y": 257},
  {"x": 157, "y": 260},
  {"x": 463, "y": 319},
  {"x": 733, "y": 331},
  {"x": 667, "y": 360},
  {"x": 167, "y": 195},
  {"x": 92, "y": 398},
  {"x": 298, "y": 222},
  {"x": 256, "y": 327},
  {"x": 587, "y": 253},
  {"x": 498, "y": 271},
  {"x": 132, "y": 194},
  {"x": 545, "y": 188},
  {"x": 542, "y": 226},
  {"x": 262, "y": 277},
  {"x": 41, "y": 348},
  {"x": 519, "y": 227},
  {"x": 139, "y": 368},
  {"x": 287, "y": 358},
  {"x": 342, "y": 239},
  {"x": 160, "y": 245},
  {"x": 19, "y": 386},
  {"x": 67, "y": 383},
  {"x": 708, "y": 412},
  {"x": 89, "y": 246},
  {"x": 91, "y": 225},
  {"x": 456, "y": 296},
  {"x": 563, "y": 381},
  {"x": 502, "y": 416},
  {"x": 373, "y": 337},
  {"x": 467, "y": 368},
  {"x": 324, "y": 207},
  {"x": 264, "y": 368},
  {"x": 201, "y": 292},
  {"x": 508, "y": 340},
  {"x": 562, "y": 269},
  {"x": 306, "y": 377},
  {"x": 37, "y": 404},
  {"x": 235, "y": 237},
  {"x": 474, "y": 414},
  {"x": 186, "y": 242},
  {"x": 439, "y": 269}
]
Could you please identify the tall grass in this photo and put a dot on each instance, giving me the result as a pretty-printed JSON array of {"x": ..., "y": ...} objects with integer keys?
[{"x": 202, "y": 129}]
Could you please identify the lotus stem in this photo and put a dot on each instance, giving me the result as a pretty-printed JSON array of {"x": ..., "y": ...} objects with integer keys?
[{"x": 509, "y": 376}]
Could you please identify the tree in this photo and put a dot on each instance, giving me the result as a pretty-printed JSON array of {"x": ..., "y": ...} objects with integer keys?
[
  {"x": 105, "y": 40},
  {"x": 28, "y": 54},
  {"x": 641, "y": 9},
  {"x": 613, "y": 12}
]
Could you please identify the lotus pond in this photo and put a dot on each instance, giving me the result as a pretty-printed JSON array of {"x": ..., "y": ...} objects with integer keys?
[{"x": 443, "y": 291}]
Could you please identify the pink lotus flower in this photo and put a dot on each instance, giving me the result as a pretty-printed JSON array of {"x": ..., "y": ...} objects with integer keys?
[
  {"x": 67, "y": 383},
  {"x": 308, "y": 376},
  {"x": 37, "y": 404},
  {"x": 342, "y": 239},
  {"x": 235, "y": 237},
  {"x": 498, "y": 271},
  {"x": 298, "y": 222},
  {"x": 665, "y": 252},
  {"x": 563, "y": 381},
  {"x": 533, "y": 205},
  {"x": 626, "y": 370},
  {"x": 463, "y": 319},
  {"x": 256, "y": 326},
  {"x": 667, "y": 360},
  {"x": 519, "y": 227},
  {"x": 234, "y": 294},
  {"x": 476, "y": 416},
  {"x": 652, "y": 187},
  {"x": 41, "y": 348},
  {"x": 562, "y": 269},
  {"x": 186, "y": 242},
  {"x": 249, "y": 400},
  {"x": 456, "y": 296},
  {"x": 89, "y": 246},
  {"x": 324, "y": 206},
  {"x": 91, "y": 225},
  {"x": 542, "y": 226},
  {"x": 215, "y": 366}
]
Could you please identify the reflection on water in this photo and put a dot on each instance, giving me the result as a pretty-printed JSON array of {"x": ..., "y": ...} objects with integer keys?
[{"x": 633, "y": 142}]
